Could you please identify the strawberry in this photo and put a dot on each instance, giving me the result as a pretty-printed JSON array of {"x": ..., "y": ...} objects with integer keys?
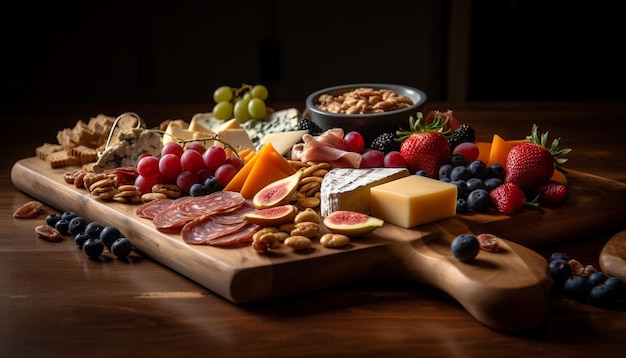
[
  {"x": 551, "y": 193},
  {"x": 424, "y": 146},
  {"x": 531, "y": 163},
  {"x": 508, "y": 198}
]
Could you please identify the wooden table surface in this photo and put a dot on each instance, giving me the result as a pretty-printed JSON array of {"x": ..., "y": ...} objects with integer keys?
[{"x": 54, "y": 301}]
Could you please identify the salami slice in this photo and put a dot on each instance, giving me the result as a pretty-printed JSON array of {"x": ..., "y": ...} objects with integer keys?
[
  {"x": 211, "y": 204},
  {"x": 242, "y": 236},
  {"x": 170, "y": 219},
  {"x": 203, "y": 229},
  {"x": 235, "y": 216},
  {"x": 150, "y": 209}
]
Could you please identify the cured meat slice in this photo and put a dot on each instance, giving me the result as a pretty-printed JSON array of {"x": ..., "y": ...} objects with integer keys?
[
  {"x": 242, "y": 236},
  {"x": 210, "y": 204},
  {"x": 170, "y": 219},
  {"x": 203, "y": 229},
  {"x": 150, "y": 209},
  {"x": 235, "y": 216}
]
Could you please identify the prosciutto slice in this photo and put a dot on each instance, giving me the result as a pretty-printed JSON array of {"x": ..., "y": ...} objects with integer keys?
[{"x": 327, "y": 147}]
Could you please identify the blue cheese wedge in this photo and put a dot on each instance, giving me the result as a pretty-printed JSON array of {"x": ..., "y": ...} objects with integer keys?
[
  {"x": 129, "y": 150},
  {"x": 349, "y": 189}
]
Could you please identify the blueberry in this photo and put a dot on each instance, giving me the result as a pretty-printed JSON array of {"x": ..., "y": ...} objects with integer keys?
[
  {"x": 462, "y": 191},
  {"x": 93, "y": 229},
  {"x": 492, "y": 183},
  {"x": 460, "y": 173},
  {"x": 596, "y": 278},
  {"x": 121, "y": 248},
  {"x": 445, "y": 179},
  {"x": 421, "y": 173},
  {"x": 577, "y": 287},
  {"x": 93, "y": 247},
  {"x": 479, "y": 200},
  {"x": 476, "y": 183},
  {"x": 52, "y": 219},
  {"x": 496, "y": 170},
  {"x": 465, "y": 247},
  {"x": 601, "y": 295},
  {"x": 80, "y": 238},
  {"x": 444, "y": 171},
  {"x": 478, "y": 169},
  {"x": 63, "y": 226},
  {"x": 559, "y": 255},
  {"x": 458, "y": 160},
  {"x": 68, "y": 215},
  {"x": 618, "y": 286},
  {"x": 197, "y": 189},
  {"x": 108, "y": 235},
  {"x": 560, "y": 270},
  {"x": 211, "y": 185},
  {"x": 461, "y": 206},
  {"x": 77, "y": 225}
]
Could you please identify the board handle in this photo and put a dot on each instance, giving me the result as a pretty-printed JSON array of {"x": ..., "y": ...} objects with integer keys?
[{"x": 506, "y": 290}]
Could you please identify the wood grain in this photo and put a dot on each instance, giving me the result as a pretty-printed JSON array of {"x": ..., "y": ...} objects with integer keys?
[{"x": 513, "y": 280}]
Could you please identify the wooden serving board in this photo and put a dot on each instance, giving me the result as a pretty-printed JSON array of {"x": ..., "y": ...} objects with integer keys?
[{"x": 506, "y": 290}]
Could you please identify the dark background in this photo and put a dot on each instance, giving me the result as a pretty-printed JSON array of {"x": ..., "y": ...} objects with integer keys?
[{"x": 84, "y": 52}]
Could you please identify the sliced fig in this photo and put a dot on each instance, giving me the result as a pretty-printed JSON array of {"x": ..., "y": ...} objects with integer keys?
[
  {"x": 277, "y": 193},
  {"x": 351, "y": 223},
  {"x": 274, "y": 216}
]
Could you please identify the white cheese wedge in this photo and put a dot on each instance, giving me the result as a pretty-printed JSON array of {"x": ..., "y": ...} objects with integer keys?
[
  {"x": 349, "y": 189},
  {"x": 283, "y": 142},
  {"x": 413, "y": 200},
  {"x": 237, "y": 138}
]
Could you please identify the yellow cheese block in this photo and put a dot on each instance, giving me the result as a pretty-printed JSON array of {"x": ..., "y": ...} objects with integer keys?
[{"x": 413, "y": 200}]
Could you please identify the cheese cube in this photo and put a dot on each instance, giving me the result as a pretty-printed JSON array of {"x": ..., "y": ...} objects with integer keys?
[{"x": 413, "y": 200}]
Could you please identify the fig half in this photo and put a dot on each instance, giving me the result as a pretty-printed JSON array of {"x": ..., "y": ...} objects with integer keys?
[
  {"x": 274, "y": 216},
  {"x": 277, "y": 193},
  {"x": 351, "y": 223}
]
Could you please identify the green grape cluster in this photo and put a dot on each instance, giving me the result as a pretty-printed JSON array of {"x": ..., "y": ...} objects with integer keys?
[{"x": 244, "y": 103}]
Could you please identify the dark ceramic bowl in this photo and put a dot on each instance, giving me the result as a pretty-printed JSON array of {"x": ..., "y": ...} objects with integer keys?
[{"x": 370, "y": 125}]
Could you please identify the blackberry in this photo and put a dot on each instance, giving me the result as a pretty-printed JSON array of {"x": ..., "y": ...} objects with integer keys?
[
  {"x": 305, "y": 124},
  {"x": 464, "y": 133},
  {"x": 386, "y": 143}
]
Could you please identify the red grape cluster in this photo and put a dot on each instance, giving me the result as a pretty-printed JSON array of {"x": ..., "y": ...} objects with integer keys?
[{"x": 186, "y": 166}]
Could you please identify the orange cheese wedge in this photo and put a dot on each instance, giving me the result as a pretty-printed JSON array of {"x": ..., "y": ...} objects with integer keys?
[{"x": 265, "y": 167}]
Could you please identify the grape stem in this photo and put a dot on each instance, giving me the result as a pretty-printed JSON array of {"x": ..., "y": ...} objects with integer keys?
[
  {"x": 203, "y": 140},
  {"x": 244, "y": 87}
]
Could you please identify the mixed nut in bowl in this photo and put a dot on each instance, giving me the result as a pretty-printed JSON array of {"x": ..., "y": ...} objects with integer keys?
[{"x": 369, "y": 108}]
